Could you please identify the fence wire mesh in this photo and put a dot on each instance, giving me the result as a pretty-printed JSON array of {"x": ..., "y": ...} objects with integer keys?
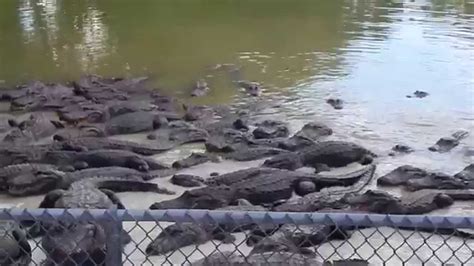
[{"x": 199, "y": 237}]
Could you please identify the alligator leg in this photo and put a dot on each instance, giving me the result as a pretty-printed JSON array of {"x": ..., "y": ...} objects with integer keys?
[{"x": 129, "y": 185}]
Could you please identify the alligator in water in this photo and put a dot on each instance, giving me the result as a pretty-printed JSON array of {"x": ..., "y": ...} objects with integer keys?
[
  {"x": 102, "y": 158},
  {"x": 200, "y": 88},
  {"x": 42, "y": 180},
  {"x": 91, "y": 143},
  {"x": 14, "y": 246},
  {"x": 446, "y": 144},
  {"x": 323, "y": 155},
  {"x": 180, "y": 235},
  {"x": 329, "y": 197},
  {"x": 257, "y": 185}
]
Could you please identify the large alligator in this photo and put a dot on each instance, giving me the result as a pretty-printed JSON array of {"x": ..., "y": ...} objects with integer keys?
[
  {"x": 102, "y": 158},
  {"x": 377, "y": 201},
  {"x": 329, "y": 197},
  {"x": 43, "y": 180},
  {"x": 14, "y": 246},
  {"x": 323, "y": 155},
  {"x": 8, "y": 173},
  {"x": 296, "y": 238},
  {"x": 194, "y": 159},
  {"x": 17, "y": 154},
  {"x": 92, "y": 193},
  {"x": 91, "y": 143},
  {"x": 180, "y": 235},
  {"x": 414, "y": 178},
  {"x": 81, "y": 243},
  {"x": 259, "y": 186},
  {"x": 135, "y": 122},
  {"x": 34, "y": 128},
  {"x": 445, "y": 144},
  {"x": 232, "y": 258}
]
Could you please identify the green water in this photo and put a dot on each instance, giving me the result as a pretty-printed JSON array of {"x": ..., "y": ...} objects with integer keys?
[{"x": 371, "y": 54}]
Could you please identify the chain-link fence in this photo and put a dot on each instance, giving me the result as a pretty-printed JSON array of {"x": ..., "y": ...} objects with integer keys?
[{"x": 201, "y": 237}]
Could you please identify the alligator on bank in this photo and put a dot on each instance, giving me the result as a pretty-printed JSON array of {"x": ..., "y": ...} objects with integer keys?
[
  {"x": 414, "y": 178},
  {"x": 81, "y": 243},
  {"x": 180, "y": 235},
  {"x": 187, "y": 180},
  {"x": 257, "y": 185},
  {"x": 14, "y": 246},
  {"x": 378, "y": 201},
  {"x": 135, "y": 122},
  {"x": 269, "y": 129},
  {"x": 8, "y": 173},
  {"x": 296, "y": 238},
  {"x": 329, "y": 197},
  {"x": 102, "y": 158},
  {"x": 271, "y": 258},
  {"x": 34, "y": 128},
  {"x": 41, "y": 180},
  {"x": 91, "y": 143},
  {"x": 92, "y": 193},
  {"x": 323, "y": 155},
  {"x": 194, "y": 159}
]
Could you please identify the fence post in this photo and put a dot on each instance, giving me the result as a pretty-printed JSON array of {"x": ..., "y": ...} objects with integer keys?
[{"x": 113, "y": 231}]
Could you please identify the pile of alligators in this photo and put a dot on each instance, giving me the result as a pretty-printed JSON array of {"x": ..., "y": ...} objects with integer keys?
[{"x": 58, "y": 141}]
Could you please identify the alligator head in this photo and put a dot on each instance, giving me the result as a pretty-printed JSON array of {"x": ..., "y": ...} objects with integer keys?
[
  {"x": 76, "y": 243},
  {"x": 375, "y": 201},
  {"x": 35, "y": 183},
  {"x": 177, "y": 236}
]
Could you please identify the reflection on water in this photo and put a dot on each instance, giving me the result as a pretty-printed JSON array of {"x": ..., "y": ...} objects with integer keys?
[{"x": 369, "y": 53}]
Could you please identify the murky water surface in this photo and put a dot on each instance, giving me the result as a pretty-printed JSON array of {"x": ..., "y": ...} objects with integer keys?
[{"x": 371, "y": 54}]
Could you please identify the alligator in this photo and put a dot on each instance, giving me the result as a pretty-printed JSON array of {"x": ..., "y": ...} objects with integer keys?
[
  {"x": 43, "y": 180},
  {"x": 92, "y": 193},
  {"x": 83, "y": 112},
  {"x": 14, "y": 246},
  {"x": 197, "y": 112},
  {"x": 8, "y": 173},
  {"x": 120, "y": 108},
  {"x": 382, "y": 202},
  {"x": 401, "y": 175},
  {"x": 271, "y": 258},
  {"x": 226, "y": 140},
  {"x": 5, "y": 124},
  {"x": 335, "y": 103},
  {"x": 194, "y": 159},
  {"x": 446, "y": 144},
  {"x": 294, "y": 143},
  {"x": 251, "y": 87},
  {"x": 102, "y": 158},
  {"x": 34, "y": 128},
  {"x": 257, "y": 185},
  {"x": 322, "y": 155},
  {"x": 296, "y": 238},
  {"x": 180, "y": 235},
  {"x": 99, "y": 88},
  {"x": 91, "y": 143},
  {"x": 79, "y": 131},
  {"x": 81, "y": 243},
  {"x": 467, "y": 173},
  {"x": 135, "y": 122},
  {"x": 329, "y": 197},
  {"x": 17, "y": 154},
  {"x": 200, "y": 88},
  {"x": 314, "y": 131},
  {"x": 178, "y": 133},
  {"x": 401, "y": 149},
  {"x": 269, "y": 129},
  {"x": 187, "y": 180},
  {"x": 418, "y": 94},
  {"x": 251, "y": 153}
]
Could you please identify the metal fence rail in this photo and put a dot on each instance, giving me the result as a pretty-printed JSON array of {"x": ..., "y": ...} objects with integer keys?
[{"x": 188, "y": 237}]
